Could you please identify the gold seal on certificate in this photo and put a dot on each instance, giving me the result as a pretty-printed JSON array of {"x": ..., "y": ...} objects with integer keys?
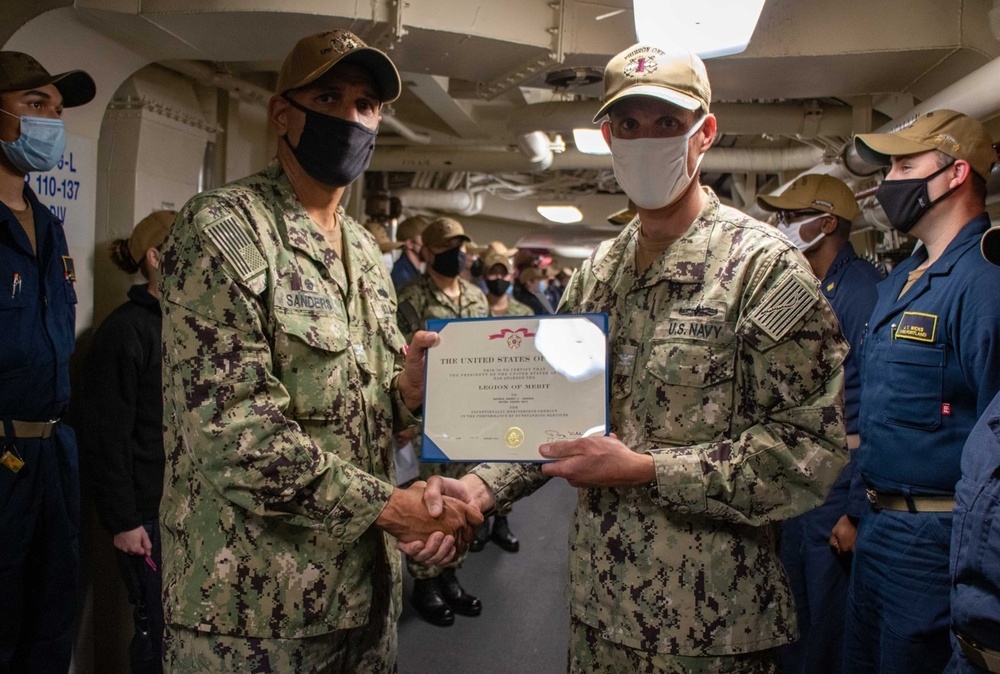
[
  {"x": 515, "y": 437},
  {"x": 498, "y": 388}
]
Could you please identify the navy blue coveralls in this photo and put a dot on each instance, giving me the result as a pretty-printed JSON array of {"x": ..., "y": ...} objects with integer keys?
[
  {"x": 930, "y": 367},
  {"x": 975, "y": 545},
  {"x": 40, "y": 503},
  {"x": 817, "y": 576}
]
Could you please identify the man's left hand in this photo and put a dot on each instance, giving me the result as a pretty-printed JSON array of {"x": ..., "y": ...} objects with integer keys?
[
  {"x": 597, "y": 461},
  {"x": 411, "y": 379}
]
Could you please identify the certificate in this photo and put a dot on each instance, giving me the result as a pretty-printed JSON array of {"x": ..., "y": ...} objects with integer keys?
[{"x": 497, "y": 388}]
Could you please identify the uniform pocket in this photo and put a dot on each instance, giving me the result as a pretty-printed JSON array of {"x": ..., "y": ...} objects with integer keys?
[
  {"x": 312, "y": 361},
  {"x": 916, "y": 380},
  {"x": 690, "y": 392}
]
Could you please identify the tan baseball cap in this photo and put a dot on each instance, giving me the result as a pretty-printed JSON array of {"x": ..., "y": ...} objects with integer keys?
[
  {"x": 438, "y": 232},
  {"x": 953, "y": 133},
  {"x": 410, "y": 228},
  {"x": 493, "y": 258},
  {"x": 501, "y": 248},
  {"x": 817, "y": 192},
  {"x": 377, "y": 230},
  {"x": 151, "y": 232},
  {"x": 678, "y": 77},
  {"x": 312, "y": 56},
  {"x": 19, "y": 72},
  {"x": 531, "y": 274},
  {"x": 991, "y": 245}
]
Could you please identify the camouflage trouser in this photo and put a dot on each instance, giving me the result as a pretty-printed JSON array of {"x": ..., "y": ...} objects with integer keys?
[
  {"x": 455, "y": 470},
  {"x": 342, "y": 652},
  {"x": 589, "y": 652}
]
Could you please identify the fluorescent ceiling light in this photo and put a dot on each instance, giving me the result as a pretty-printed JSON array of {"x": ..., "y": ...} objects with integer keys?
[
  {"x": 576, "y": 252},
  {"x": 709, "y": 28},
  {"x": 590, "y": 141},
  {"x": 561, "y": 214}
]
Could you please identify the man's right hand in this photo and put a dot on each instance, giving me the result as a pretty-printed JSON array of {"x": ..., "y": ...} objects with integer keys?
[
  {"x": 471, "y": 491},
  {"x": 134, "y": 541},
  {"x": 844, "y": 535},
  {"x": 436, "y": 539}
]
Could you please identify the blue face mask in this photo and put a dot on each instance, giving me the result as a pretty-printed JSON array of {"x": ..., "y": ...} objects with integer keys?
[
  {"x": 40, "y": 145},
  {"x": 543, "y": 286}
]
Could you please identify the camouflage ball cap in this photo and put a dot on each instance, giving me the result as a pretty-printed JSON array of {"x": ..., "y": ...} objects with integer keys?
[
  {"x": 953, "y": 133},
  {"x": 314, "y": 55},
  {"x": 678, "y": 77},
  {"x": 19, "y": 72},
  {"x": 441, "y": 230},
  {"x": 816, "y": 192}
]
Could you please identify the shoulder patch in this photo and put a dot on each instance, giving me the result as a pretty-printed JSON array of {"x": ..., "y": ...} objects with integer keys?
[
  {"x": 784, "y": 306},
  {"x": 237, "y": 247}
]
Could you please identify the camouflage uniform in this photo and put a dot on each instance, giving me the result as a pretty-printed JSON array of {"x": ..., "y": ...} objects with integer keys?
[
  {"x": 515, "y": 308},
  {"x": 280, "y": 367},
  {"x": 726, "y": 368},
  {"x": 419, "y": 300}
]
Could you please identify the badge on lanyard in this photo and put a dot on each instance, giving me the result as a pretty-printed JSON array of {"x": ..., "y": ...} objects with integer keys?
[{"x": 12, "y": 460}]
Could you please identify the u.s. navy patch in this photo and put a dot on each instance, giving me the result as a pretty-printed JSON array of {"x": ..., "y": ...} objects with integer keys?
[
  {"x": 917, "y": 326},
  {"x": 237, "y": 247},
  {"x": 784, "y": 306}
]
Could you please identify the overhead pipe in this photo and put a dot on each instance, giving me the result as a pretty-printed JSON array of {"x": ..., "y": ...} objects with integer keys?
[
  {"x": 976, "y": 95},
  {"x": 745, "y": 119},
  {"x": 537, "y": 148},
  {"x": 717, "y": 160},
  {"x": 459, "y": 202}
]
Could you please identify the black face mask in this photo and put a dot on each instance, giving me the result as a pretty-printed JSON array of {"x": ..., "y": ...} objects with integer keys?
[
  {"x": 906, "y": 201},
  {"x": 497, "y": 286},
  {"x": 449, "y": 263},
  {"x": 332, "y": 150}
]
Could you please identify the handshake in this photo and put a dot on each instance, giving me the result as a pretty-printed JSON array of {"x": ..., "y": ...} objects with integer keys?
[{"x": 433, "y": 521}]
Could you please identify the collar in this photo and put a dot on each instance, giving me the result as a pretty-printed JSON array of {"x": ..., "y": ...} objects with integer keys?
[
  {"x": 140, "y": 296},
  {"x": 970, "y": 235},
  {"x": 684, "y": 262}
]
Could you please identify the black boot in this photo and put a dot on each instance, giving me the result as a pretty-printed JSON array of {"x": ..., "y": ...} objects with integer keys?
[
  {"x": 431, "y": 606},
  {"x": 481, "y": 535},
  {"x": 501, "y": 535},
  {"x": 460, "y": 601}
]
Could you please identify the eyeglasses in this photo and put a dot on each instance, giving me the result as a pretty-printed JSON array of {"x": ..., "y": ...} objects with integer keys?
[{"x": 788, "y": 217}]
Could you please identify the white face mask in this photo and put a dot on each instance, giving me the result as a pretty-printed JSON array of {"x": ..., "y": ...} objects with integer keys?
[
  {"x": 653, "y": 171},
  {"x": 793, "y": 232}
]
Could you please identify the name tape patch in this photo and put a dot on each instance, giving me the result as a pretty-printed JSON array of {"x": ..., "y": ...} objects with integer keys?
[{"x": 917, "y": 326}]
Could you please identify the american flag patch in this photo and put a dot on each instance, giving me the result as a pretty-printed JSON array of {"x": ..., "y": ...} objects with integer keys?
[
  {"x": 237, "y": 247},
  {"x": 784, "y": 306}
]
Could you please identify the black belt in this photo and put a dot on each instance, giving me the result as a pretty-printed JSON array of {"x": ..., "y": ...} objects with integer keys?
[
  {"x": 984, "y": 658},
  {"x": 911, "y": 504},
  {"x": 30, "y": 429}
]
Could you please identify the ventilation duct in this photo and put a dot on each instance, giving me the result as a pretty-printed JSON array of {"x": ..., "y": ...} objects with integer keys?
[{"x": 459, "y": 202}]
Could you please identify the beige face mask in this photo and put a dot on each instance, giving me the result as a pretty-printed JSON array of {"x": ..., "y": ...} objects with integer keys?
[{"x": 653, "y": 171}]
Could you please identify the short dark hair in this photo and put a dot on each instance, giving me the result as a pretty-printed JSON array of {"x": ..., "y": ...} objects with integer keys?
[{"x": 978, "y": 182}]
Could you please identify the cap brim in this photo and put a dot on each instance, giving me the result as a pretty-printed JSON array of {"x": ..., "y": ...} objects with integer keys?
[
  {"x": 76, "y": 88},
  {"x": 990, "y": 245},
  {"x": 381, "y": 68},
  {"x": 664, "y": 94},
  {"x": 781, "y": 203},
  {"x": 878, "y": 149}
]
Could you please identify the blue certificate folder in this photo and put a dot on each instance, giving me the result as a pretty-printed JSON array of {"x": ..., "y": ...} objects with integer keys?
[{"x": 498, "y": 388}]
